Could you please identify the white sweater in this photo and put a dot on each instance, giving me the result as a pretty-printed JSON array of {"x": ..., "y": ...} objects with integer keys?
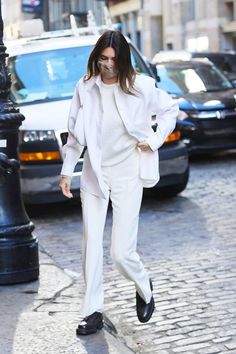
[{"x": 116, "y": 143}]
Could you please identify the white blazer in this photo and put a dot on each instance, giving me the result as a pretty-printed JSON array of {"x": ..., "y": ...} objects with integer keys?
[{"x": 84, "y": 126}]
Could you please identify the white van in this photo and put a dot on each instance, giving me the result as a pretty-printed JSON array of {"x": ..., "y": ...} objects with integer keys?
[{"x": 44, "y": 71}]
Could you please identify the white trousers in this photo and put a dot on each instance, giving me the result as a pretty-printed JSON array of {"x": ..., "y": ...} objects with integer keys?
[{"x": 125, "y": 192}]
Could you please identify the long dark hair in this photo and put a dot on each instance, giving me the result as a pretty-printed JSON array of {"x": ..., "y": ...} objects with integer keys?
[{"x": 126, "y": 73}]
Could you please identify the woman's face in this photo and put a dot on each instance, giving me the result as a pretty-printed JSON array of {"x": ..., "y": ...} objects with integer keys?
[{"x": 107, "y": 63}]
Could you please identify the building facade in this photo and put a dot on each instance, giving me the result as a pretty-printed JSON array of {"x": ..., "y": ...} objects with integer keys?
[
  {"x": 199, "y": 25},
  {"x": 54, "y": 13},
  {"x": 152, "y": 25},
  {"x": 141, "y": 21},
  {"x": 195, "y": 25}
]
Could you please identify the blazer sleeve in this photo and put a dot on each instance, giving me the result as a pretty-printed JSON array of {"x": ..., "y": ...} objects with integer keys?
[
  {"x": 72, "y": 150},
  {"x": 166, "y": 110}
]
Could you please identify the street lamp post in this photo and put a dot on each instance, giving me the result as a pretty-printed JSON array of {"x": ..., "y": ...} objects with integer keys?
[{"x": 18, "y": 247}]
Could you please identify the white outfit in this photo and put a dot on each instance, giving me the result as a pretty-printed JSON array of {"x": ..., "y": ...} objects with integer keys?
[
  {"x": 113, "y": 168},
  {"x": 84, "y": 125}
]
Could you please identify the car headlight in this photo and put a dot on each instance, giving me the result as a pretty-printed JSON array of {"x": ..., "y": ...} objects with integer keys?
[{"x": 37, "y": 135}]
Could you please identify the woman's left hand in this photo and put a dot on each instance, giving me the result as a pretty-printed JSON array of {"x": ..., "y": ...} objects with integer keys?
[{"x": 144, "y": 147}]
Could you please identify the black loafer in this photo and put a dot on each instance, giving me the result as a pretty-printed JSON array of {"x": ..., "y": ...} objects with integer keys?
[
  {"x": 90, "y": 324},
  {"x": 144, "y": 311}
]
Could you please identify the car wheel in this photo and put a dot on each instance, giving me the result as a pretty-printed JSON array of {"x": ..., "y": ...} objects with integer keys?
[{"x": 175, "y": 189}]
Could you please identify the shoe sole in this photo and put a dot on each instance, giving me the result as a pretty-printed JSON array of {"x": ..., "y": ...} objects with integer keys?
[{"x": 84, "y": 332}]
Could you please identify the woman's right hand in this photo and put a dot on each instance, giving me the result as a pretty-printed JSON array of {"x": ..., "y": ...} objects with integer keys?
[{"x": 65, "y": 183}]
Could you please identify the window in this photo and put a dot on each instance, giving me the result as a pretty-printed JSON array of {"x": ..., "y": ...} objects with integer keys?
[
  {"x": 191, "y": 79},
  {"x": 229, "y": 10},
  {"x": 187, "y": 10}
]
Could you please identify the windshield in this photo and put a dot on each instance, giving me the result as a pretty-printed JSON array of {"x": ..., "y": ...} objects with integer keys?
[
  {"x": 191, "y": 79},
  {"x": 52, "y": 75},
  {"x": 47, "y": 75}
]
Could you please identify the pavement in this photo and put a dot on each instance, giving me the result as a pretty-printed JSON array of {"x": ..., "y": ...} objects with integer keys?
[
  {"x": 40, "y": 317},
  {"x": 188, "y": 245}
]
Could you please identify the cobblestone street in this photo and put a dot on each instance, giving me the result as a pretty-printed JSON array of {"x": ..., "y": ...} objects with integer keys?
[{"x": 188, "y": 245}]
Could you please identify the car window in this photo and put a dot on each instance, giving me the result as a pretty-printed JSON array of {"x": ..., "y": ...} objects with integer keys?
[
  {"x": 47, "y": 75},
  {"x": 191, "y": 79}
]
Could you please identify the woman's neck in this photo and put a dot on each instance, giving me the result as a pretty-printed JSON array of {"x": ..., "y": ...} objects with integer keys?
[{"x": 111, "y": 80}]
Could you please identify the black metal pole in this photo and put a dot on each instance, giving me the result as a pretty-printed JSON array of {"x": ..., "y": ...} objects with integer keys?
[{"x": 18, "y": 247}]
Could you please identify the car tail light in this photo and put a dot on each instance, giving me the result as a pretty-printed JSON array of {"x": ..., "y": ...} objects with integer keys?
[
  {"x": 40, "y": 156},
  {"x": 175, "y": 136}
]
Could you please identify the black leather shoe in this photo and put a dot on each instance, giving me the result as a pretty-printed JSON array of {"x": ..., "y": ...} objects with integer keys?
[
  {"x": 144, "y": 311},
  {"x": 90, "y": 324}
]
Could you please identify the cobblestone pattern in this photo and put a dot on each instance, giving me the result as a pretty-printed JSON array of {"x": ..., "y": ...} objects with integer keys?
[{"x": 188, "y": 245}]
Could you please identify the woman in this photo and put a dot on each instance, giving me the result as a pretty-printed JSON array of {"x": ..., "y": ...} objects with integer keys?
[{"x": 111, "y": 115}]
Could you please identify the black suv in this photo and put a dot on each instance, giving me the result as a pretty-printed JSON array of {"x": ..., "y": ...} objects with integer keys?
[{"x": 207, "y": 101}]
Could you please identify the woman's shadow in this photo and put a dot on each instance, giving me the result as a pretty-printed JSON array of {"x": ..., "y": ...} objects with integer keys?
[
  {"x": 103, "y": 341},
  {"x": 95, "y": 343}
]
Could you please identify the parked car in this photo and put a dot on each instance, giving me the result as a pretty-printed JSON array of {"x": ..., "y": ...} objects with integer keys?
[
  {"x": 207, "y": 101},
  {"x": 225, "y": 61},
  {"x": 44, "y": 73}
]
